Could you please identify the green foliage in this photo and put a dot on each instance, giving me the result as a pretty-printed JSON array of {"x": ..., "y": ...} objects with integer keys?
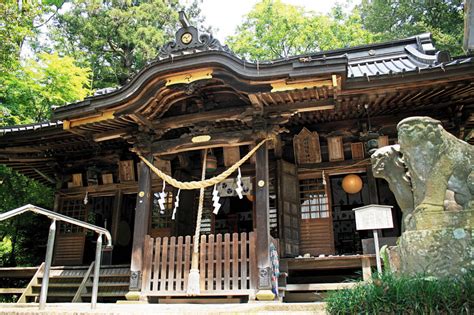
[
  {"x": 17, "y": 23},
  {"x": 23, "y": 237},
  {"x": 275, "y": 30},
  {"x": 399, "y": 19},
  {"x": 392, "y": 294},
  {"x": 117, "y": 37},
  {"x": 27, "y": 94}
]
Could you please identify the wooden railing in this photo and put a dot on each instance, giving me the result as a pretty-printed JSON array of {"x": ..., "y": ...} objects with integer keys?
[{"x": 227, "y": 264}]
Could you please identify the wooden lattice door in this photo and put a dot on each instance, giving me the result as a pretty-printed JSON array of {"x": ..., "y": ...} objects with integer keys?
[
  {"x": 288, "y": 209},
  {"x": 70, "y": 238}
]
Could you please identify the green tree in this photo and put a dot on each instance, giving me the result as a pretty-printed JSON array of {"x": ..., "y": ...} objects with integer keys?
[
  {"x": 116, "y": 38},
  {"x": 19, "y": 22},
  {"x": 28, "y": 93},
  {"x": 22, "y": 237},
  {"x": 396, "y": 19},
  {"x": 275, "y": 30}
]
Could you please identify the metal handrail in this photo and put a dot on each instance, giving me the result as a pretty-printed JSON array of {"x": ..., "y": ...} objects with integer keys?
[
  {"x": 59, "y": 217},
  {"x": 54, "y": 216}
]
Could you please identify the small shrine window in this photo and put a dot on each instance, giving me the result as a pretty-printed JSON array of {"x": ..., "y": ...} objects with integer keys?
[
  {"x": 313, "y": 199},
  {"x": 74, "y": 208}
]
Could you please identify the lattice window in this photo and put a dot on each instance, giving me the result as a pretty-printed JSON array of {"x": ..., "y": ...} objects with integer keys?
[
  {"x": 74, "y": 208},
  {"x": 313, "y": 199},
  {"x": 162, "y": 220}
]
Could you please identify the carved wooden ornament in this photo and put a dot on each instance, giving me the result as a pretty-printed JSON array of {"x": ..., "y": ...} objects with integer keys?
[{"x": 307, "y": 147}]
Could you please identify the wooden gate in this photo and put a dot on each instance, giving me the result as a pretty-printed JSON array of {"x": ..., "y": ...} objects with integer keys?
[{"x": 227, "y": 265}]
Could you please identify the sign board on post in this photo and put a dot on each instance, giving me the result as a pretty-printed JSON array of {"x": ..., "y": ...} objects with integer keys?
[{"x": 374, "y": 217}]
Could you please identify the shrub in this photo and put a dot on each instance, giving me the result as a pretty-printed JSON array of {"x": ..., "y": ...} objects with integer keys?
[{"x": 394, "y": 294}]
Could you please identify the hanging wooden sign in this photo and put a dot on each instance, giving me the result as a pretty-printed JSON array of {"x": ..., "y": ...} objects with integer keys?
[
  {"x": 357, "y": 150},
  {"x": 307, "y": 148},
  {"x": 336, "y": 149},
  {"x": 126, "y": 171}
]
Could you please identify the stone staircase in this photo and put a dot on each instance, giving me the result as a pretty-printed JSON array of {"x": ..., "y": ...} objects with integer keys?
[{"x": 74, "y": 284}]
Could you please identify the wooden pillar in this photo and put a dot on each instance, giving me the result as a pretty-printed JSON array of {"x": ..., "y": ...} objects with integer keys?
[
  {"x": 263, "y": 226},
  {"x": 142, "y": 214},
  {"x": 116, "y": 215},
  {"x": 372, "y": 186}
]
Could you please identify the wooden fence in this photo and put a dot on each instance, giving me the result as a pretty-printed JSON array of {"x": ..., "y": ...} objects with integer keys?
[{"x": 227, "y": 264}]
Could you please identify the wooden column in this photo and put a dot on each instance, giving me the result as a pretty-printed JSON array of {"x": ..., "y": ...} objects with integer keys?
[
  {"x": 142, "y": 214},
  {"x": 263, "y": 227},
  {"x": 372, "y": 186}
]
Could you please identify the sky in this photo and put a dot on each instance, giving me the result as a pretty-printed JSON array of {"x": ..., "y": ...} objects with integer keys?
[{"x": 225, "y": 15}]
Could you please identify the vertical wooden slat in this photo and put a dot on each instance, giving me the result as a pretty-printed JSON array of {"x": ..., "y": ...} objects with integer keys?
[
  {"x": 157, "y": 264},
  {"x": 171, "y": 258},
  {"x": 210, "y": 263},
  {"x": 179, "y": 264},
  {"x": 219, "y": 262},
  {"x": 147, "y": 263},
  {"x": 202, "y": 263},
  {"x": 226, "y": 261},
  {"x": 252, "y": 261},
  {"x": 235, "y": 261},
  {"x": 243, "y": 261},
  {"x": 187, "y": 253},
  {"x": 164, "y": 264}
]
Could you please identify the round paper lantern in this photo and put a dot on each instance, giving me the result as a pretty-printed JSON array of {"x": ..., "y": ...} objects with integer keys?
[{"x": 352, "y": 184}]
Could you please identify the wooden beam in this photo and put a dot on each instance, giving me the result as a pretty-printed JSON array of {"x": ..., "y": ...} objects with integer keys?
[
  {"x": 68, "y": 124},
  {"x": 262, "y": 205},
  {"x": 189, "y": 76},
  {"x": 235, "y": 113},
  {"x": 300, "y": 107},
  {"x": 224, "y": 139},
  {"x": 109, "y": 135},
  {"x": 284, "y": 85},
  {"x": 141, "y": 120},
  {"x": 142, "y": 214}
]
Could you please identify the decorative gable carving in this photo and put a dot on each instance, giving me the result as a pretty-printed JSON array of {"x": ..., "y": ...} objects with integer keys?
[{"x": 188, "y": 38}]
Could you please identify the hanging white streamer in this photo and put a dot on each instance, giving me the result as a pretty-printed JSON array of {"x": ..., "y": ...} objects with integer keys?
[
  {"x": 162, "y": 199},
  {"x": 239, "y": 188},
  {"x": 215, "y": 199},
  {"x": 176, "y": 205}
]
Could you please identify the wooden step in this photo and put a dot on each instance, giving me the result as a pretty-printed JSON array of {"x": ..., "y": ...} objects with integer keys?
[{"x": 320, "y": 286}]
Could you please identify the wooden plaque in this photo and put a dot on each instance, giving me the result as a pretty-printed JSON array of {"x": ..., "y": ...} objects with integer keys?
[
  {"x": 126, "y": 171},
  {"x": 336, "y": 149},
  {"x": 307, "y": 148},
  {"x": 107, "y": 179},
  {"x": 357, "y": 149},
  {"x": 231, "y": 155},
  {"x": 76, "y": 180}
]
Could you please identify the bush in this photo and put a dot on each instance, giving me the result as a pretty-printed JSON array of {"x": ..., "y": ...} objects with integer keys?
[{"x": 395, "y": 294}]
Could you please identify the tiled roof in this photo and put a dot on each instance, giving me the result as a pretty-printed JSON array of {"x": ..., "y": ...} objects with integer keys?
[{"x": 19, "y": 128}]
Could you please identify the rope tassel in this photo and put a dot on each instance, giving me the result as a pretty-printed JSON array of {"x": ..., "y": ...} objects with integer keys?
[{"x": 194, "y": 277}]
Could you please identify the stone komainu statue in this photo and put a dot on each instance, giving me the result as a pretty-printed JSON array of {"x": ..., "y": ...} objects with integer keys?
[{"x": 428, "y": 162}]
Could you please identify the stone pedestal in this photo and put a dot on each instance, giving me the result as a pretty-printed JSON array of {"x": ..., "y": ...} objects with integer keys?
[{"x": 441, "y": 244}]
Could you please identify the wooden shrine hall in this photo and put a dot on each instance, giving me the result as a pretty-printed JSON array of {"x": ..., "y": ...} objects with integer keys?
[{"x": 195, "y": 112}]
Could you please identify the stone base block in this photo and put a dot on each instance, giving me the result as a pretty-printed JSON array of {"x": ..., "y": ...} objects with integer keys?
[
  {"x": 265, "y": 295},
  {"x": 438, "y": 252}
]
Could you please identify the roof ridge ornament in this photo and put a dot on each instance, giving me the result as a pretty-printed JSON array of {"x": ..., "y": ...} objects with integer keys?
[{"x": 189, "y": 38}]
